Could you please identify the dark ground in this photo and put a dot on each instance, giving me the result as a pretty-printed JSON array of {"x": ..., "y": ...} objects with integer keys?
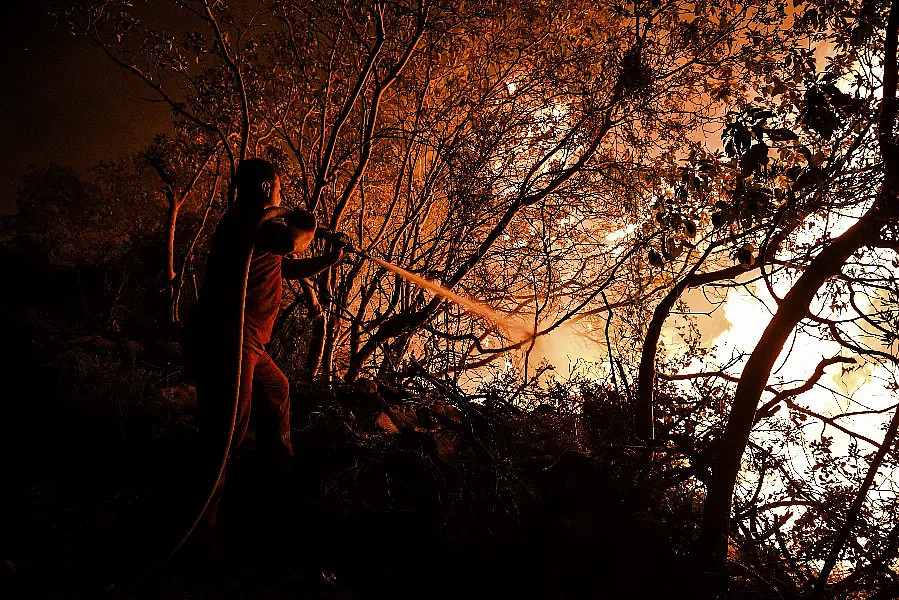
[{"x": 397, "y": 493}]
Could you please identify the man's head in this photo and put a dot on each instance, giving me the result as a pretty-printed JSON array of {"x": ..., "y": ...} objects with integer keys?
[{"x": 258, "y": 184}]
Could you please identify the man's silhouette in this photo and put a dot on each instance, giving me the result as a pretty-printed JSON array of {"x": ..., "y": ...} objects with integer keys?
[{"x": 212, "y": 320}]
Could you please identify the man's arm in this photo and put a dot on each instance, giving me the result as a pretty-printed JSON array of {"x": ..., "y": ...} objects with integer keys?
[
  {"x": 302, "y": 268},
  {"x": 279, "y": 238}
]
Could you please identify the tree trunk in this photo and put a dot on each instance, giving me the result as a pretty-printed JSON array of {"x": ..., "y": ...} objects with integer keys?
[
  {"x": 319, "y": 326},
  {"x": 714, "y": 530},
  {"x": 316, "y": 347},
  {"x": 327, "y": 361},
  {"x": 644, "y": 424},
  {"x": 170, "y": 275},
  {"x": 393, "y": 358}
]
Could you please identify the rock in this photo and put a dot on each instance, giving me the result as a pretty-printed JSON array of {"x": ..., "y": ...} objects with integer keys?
[
  {"x": 366, "y": 401},
  {"x": 403, "y": 415},
  {"x": 102, "y": 345},
  {"x": 446, "y": 444},
  {"x": 182, "y": 395},
  {"x": 96, "y": 343},
  {"x": 385, "y": 423},
  {"x": 366, "y": 386},
  {"x": 132, "y": 349},
  {"x": 450, "y": 412},
  {"x": 391, "y": 395}
]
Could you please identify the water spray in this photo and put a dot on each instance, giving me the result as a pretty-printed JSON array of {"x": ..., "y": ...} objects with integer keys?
[{"x": 520, "y": 332}]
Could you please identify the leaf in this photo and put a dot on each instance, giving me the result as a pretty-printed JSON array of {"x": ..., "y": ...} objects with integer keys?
[
  {"x": 758, "y": 131},
  {"x": 737, "y": 138},
  {"x": 781, "y": 135},
  {"x": 821, "y": 120},
  {"x": 745, "y": 256},
  {"x": 729, "y": 149},
  {"x": 808, "y": 178},
  {"x": 690, "y": 227},
  {"x": 841, "y": 100},
  {"x": 806, "y": 153},
  {"x": 759, "y": 199},
  {"x": 719, "y": 219},
  {"x": 754, "y": 158},
  {"x": 655, "y": 259},
  {"x": 860, "y": 33}
]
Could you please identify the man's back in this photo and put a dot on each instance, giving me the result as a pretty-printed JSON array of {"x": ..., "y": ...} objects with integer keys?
[{"x": 217, "y": 305}]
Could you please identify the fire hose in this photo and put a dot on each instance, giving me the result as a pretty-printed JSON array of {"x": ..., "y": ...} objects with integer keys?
[{"x": 234, "y": 343}]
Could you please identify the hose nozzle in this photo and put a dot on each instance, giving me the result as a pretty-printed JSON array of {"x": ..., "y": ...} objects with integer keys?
[{"x": 338, "y": 238}]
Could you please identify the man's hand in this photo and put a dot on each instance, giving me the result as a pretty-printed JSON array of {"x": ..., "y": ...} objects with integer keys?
[{"x": 342, "y": 243}]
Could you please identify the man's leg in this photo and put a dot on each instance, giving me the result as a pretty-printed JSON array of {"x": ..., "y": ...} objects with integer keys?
[
  {"x": 271, "y": 401},
  {"x": 271, "y": 405}
]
